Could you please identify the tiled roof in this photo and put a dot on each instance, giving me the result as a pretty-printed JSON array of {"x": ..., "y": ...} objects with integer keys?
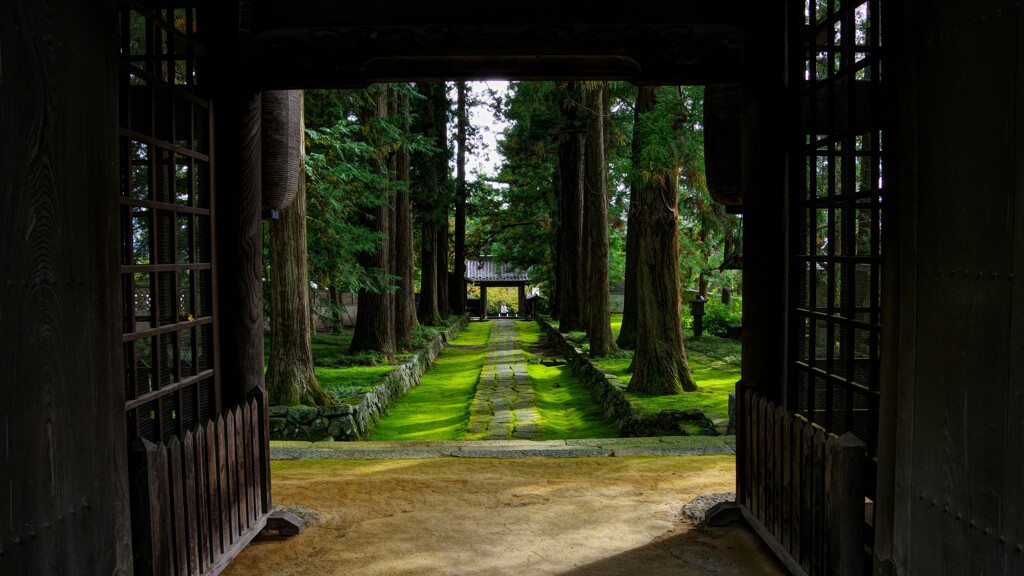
[{"x": 487, "y": 270}]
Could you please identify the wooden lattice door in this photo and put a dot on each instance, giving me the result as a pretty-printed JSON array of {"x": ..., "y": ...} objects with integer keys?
[{"x": 197, "y": 466}]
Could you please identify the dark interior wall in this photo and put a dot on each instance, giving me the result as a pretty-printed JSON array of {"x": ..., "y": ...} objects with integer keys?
[
  {"x": 960, "y": 381},
  {"x": 63, "y": 478}
]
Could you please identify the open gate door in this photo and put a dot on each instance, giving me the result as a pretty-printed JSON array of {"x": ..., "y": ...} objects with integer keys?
[{"x": 198, "y": 467}]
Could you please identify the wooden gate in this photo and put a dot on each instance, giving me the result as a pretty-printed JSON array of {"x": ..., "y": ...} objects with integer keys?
[
  {"x": 808, "y": 465},
  {"x": 199, "y": 501},
  {"x": 802, "y": 488},
  {"x": 198, "y": 468}
]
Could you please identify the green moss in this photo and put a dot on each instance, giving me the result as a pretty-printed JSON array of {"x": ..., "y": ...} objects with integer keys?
[
  {"x": 566, "y": 407},
  {"x": 715, "y": 379},
  {"x": 616, "y": 326},
  {"x": 352, "y": 380},
  {"x": 438, "y": 409},
  {"x": 475, "y": 334}
]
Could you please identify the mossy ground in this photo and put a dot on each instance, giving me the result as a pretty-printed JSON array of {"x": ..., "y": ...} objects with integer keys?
[
  {"x": 566, "y": 407},
  {"x": 438, "y": 409},
  {"x": 716, "y": 376}
]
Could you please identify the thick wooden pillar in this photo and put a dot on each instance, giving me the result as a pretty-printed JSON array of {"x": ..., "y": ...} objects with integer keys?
[
  {"x": 63, "y": 454},
  {"x": 522, "y": 301},
  {"x": 483, "y": 302},
  {"x": 239, "y": 242},
  {"x": 765, "y": 139},
  {"x": 236, "y": 106}
]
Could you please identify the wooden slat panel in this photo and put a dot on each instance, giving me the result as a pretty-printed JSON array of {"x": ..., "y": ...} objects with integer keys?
[
  {"x": 177, "y": 493},
  {"x": 224, "y": 487},
  {"x": 757, "y": 452},
  {"x": 241, "y": 470},
  {"x": 845, "y": 504},
  {"x": 192, "y": 505},
  {"x": 765, "y": 487},
  {"x": 778, "y": 416},
  {"x": 215, "y": 512},
  {"x": 786, "y": 484},
  {"x": 796, "y": 493},
  {"x": 160, "y": 509},
  {"x": 818, "y": 505},
  {"x": 245, "y": 453},
  {"x": 807, "y": 496},
  {"x": 744, "y": 448},
  {"x": 254, "y": 445},
  {"x": 832, "y": 534},
  {"x": 202, "y": 499}
]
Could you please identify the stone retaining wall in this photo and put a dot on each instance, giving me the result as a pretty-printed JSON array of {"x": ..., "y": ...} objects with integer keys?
[
  {"x": 354, "y": 421},
  {"x": 607, "y": 389}
]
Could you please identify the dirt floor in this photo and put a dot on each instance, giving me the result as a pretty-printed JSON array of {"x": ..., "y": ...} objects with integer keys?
[{"x": 578, "y": 516}]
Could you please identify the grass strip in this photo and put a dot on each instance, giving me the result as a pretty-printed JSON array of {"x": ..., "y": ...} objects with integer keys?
[
  {"x": 438, "y": 409},
  {"x": 567, "y": 410}
]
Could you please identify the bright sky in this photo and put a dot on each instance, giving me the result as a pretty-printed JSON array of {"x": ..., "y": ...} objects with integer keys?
[{"x": 486, "y": 158}]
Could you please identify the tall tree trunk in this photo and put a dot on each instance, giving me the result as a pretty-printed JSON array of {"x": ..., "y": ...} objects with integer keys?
[
  {"x": 596, "y": 191},
  {"x": 458, "y": 292},
  {"x": 628, "y": 327},
  {"x": 584, "y": 279},
  {"x": 428, "y": 312},
  {"x": 337, "y": 319},
  {"x": 659, "y": 363},
  {"x": 290, "y": 375},
  {"x": 375, "y": 319},
  {"x": 570, "y": 210},
  {"x": 405, "y": 309},
  {"x": 441, "y": 253}
]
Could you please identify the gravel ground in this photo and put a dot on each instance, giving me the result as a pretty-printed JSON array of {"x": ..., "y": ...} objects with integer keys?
[{"x": 490, "y": 517}]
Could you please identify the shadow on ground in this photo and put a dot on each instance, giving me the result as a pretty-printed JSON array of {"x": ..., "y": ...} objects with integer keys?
[{"x": 490, "y": 517}]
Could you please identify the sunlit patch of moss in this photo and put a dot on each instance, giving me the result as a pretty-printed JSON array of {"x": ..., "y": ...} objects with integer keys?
[
  {"x": 353, "y": 379},
  {"x": 714, "y": 378},
  {"x": 475, "y": 334},
  {"x": 438, "y": 409},
  {"x": 566, "y": 407},
  {"x": 616, "y": 321}
]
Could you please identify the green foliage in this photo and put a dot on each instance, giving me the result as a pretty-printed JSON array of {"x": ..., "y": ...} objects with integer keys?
[
  {"x": 718, "y": 317},
  {"x": 344, "y": 149}
]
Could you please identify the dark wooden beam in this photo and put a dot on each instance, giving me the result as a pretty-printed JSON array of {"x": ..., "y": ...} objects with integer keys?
[{"x": 321, "y": 44}]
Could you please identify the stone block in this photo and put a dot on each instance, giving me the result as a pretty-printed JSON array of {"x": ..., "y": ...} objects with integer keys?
[
  {"x": 342, "y": 428},
  {"x": 278, "y": 411},
  {"x": 301, "y": 414},
  {"x": 335, "y": 410},
  {"x": 277, "y": 425},
  {"x": 320, "y": 424}
]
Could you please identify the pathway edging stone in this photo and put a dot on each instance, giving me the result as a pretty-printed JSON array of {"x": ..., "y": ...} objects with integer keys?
[{"x": 354, "y": 420}]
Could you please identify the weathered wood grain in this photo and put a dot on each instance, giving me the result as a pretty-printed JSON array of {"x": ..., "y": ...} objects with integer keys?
[
  {"x": 192, "y": 506},
  {"x": 795, "y": 480},
  {"x": 230, "y": 463},
  {"x": 175, "y": 489},
  {"x": 216, "y": 515},
  {"x": 59, "y": 301},
  {"x": 237, "y": 430},
  {"x": 202, "y": 498}
]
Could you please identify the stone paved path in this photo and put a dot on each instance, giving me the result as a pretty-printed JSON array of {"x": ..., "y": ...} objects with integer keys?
[{"x": 505, "y": 405}]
